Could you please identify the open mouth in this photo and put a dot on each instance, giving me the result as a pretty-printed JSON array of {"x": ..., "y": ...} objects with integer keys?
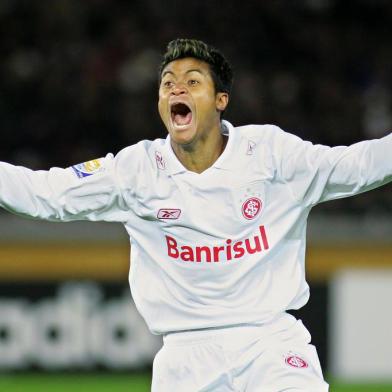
[{"x": 181, "y": 114}]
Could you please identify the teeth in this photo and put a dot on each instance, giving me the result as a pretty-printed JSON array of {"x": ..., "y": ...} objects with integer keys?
[
  {"x": 181, "y": 126},
  {"x": 175, "y": 125}
]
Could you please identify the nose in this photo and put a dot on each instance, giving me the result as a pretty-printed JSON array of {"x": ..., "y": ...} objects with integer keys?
[{"x": 178, "y": 89}]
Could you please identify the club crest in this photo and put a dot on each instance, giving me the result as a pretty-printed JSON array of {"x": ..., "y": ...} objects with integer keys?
[
  {"x": 296, "y": 361},
  {"x": 251, "y": 207}
]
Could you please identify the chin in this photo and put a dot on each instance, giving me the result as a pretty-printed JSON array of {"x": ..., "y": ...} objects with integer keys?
[
  {"x": 182, "y": 141},
  {"x": 182, "y": 137}
]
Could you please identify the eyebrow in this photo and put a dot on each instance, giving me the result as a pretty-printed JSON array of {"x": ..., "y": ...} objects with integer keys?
[{"x": 187, "y": 72}]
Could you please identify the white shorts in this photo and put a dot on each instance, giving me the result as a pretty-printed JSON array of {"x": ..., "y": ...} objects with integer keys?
[{"x": 273, "y": 357}]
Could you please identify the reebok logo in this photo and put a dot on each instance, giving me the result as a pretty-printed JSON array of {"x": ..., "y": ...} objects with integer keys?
[
  {"x": 161, "y": 164},
  {"x": 169, "y": 213}
]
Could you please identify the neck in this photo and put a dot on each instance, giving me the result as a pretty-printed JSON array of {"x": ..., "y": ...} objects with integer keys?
[{"x": 203, "y": 154}]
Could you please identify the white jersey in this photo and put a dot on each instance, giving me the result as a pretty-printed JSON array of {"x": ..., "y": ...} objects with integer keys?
[{"x": 224, "y": 247}]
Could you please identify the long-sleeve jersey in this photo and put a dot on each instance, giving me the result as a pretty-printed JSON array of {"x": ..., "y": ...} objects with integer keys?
[{"x": 224, "y": 247}]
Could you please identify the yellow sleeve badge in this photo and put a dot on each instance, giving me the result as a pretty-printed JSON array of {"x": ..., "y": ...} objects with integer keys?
[{"x": 88, "y": 168}]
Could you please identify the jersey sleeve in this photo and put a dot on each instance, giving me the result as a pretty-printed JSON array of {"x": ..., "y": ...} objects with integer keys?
[
  {"x": 87, "y": 191},
  {"x": 317, "y": 173}
]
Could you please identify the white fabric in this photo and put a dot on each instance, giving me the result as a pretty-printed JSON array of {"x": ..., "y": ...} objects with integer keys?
[
  {"x": 242, "y": 358},
  {"x": 244, "y": 270}
]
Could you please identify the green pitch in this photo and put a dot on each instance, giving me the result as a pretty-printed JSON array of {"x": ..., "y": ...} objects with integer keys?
[{"x": 117, "y": 383}]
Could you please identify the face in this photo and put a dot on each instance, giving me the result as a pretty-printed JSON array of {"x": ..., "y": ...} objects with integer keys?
[{"x": 188, "y": 104}]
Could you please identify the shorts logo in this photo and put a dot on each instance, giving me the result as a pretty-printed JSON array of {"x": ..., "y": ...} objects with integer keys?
[
  {"x": 169, "y": 213},
  {"x": 88, "y": 168},
  {"x": 251, "y": 208},
  {"x": 296, "y": 362}
]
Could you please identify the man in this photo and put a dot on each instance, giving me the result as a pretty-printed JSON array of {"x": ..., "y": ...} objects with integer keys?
[{"x": 217, "y": 220}]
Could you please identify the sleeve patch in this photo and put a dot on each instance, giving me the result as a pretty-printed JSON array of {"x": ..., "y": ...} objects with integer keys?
[{"x": 89, "y": 168}]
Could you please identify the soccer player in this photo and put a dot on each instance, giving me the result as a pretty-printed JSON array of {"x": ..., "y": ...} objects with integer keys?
[{"x": 216, "y": 216}]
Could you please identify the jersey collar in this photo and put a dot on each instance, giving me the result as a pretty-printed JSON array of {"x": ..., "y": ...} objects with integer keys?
[{"x": 175, "y": 166}]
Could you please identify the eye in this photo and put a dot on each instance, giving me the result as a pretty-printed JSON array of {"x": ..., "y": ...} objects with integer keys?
[
  {"x": 193, "y": 82},
  {"x": 167, "y": 84}
]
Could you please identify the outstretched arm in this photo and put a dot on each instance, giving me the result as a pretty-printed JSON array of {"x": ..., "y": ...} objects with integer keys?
[
  {"x": 319, "y": 173},
  {"x": 87, "y": 191}
]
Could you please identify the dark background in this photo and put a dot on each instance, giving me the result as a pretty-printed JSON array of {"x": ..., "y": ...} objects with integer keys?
[{"x": 78, "y": 79}]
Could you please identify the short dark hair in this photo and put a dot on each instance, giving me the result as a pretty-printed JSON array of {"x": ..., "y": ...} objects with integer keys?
[{"x": 221, "y": 71}]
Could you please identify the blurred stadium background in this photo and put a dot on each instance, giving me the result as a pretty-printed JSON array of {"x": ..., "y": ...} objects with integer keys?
[{"x": 78, "y": 79}]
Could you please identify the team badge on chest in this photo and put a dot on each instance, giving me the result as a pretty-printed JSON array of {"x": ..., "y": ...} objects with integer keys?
[
  {"x": 251, "y": 207},
  {"x": 250, "y": 200}
]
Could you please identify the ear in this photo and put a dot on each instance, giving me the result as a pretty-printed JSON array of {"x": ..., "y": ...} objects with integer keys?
[{"x": 222, "y": 100}]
